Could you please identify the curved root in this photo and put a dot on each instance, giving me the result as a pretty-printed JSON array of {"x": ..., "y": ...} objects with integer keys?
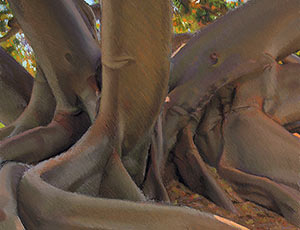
[
  {"x": 10, "y": 175},
  {"x": 70, "y": 211},
  {"x": 194, "y": 172},
  {"x": 41, "y": 143}
]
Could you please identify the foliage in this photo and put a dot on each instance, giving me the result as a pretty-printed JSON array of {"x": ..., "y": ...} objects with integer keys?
[
  {"x": 19, "y": 49},
  {"x": 16, "y": 46},
  {"x": 5, "y": 15},
  {"x": 234, "y": 4},
  {"x": 188, "y": 16},
  {"x": 91, "y": 2},
  {"x": 192, "y": 15}
]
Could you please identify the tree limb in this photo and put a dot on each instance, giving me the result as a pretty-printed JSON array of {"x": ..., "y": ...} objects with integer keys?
[
  {"x": 39, "y": 111},
  {"x": 15, "y": 88},
  {"x": 197, "y": 72},
  {"x": 41, "y": 143},
  {"x": 293, "y": 58},
  {"x": 97, "y": 11},
  {"x": 179, "y": 40}
]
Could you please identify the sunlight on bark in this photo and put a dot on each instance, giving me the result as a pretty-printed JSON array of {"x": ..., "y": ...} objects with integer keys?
[{"x": 296, "y": 135}]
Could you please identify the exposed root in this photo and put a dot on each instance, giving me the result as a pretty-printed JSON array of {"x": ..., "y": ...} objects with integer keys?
[
  {"x": 262, "y": 159},
  {"x": 41, "y": 143},
  {"x": 85, "y": 161},
  {"x": 132, "y": 96},
  {"x": 117, "y": 183},
  {"x": 6, "y": 131},
  {"x": 77, "y": 212},
  {"x": 195, "y": 174},
  {"x": 10, "y": 175},
  {"x": 153, "y": 186},
  {"x": 70, "y": 211},
  {"x": 90, "y": 156},
  {"x": 261, "y": 190}
]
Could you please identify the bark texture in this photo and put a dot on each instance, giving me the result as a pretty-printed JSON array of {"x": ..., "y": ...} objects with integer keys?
[{"x": 228, "y": 103}]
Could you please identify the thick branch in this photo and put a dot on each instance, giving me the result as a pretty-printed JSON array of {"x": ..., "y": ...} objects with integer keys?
[
  {"x": 15, "y": 88},
  {"x": 247, "y": 40},
  {"x": 97, "y": 11},
  {"x": 88, "y": 14},
  {"x": 215, "y": 56},
  {"x": 127, "y": 112},
  {"x": 293, "y": 58},
  {"x": 65, "y": 47},
  {"x": 125, "y": 118},
  {"x": 179, "y": 40},
  {"x": 41, "y": 143},
  {"x": 39, "y": 112}
]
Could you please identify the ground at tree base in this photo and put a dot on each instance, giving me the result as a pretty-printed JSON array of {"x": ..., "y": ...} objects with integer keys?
[{"x": 250, "y": 215}]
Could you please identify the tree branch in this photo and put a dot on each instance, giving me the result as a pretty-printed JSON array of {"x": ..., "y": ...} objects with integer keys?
[
  {"x": 15, "y": 88},
  {"x": 252, "y": 43},
  {"x": 215, "y": 57},
  {"x": 41, "y": 143},
  {"x": 97, "y": 11},
  {"x": 179, "y": 40},
  {"x": 39, "y": 111},
  {"x": 89, "y": 17},
  {"x": 293, "y": 58},
  {"x": 69, "y": 65}
]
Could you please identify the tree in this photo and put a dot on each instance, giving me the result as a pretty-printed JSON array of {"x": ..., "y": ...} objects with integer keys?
[{"x": 103, "y": 122}]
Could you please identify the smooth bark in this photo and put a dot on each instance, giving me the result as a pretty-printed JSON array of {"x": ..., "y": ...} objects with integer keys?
[
  {"x": 207, "y": 63},
  {"x": 110, "y": 160},
  {"x": 39, "y": 111},
  {"x": 195, "y": 173},
  {"x": 64, "y": 45},
  {"x": 15, "y": 88}
]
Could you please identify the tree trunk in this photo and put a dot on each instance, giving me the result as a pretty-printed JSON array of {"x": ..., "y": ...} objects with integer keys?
[{"x": 121, "y": 147}]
